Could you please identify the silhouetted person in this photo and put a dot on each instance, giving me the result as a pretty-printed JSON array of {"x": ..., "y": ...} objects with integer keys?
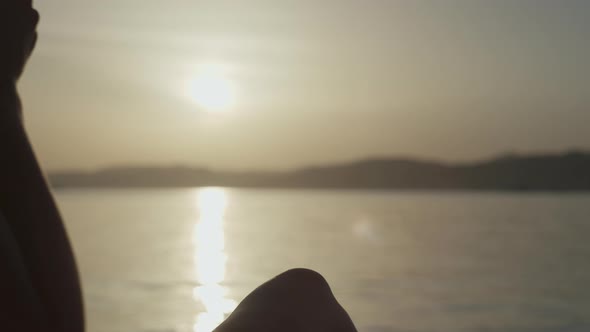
[{"x": 39, "y": 284}]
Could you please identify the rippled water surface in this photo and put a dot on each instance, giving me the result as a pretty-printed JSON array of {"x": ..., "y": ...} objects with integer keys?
[{"x": 180, "y": 260}]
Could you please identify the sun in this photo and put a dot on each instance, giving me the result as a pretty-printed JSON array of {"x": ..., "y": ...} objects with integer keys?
[{"x": 213, "y": 91}]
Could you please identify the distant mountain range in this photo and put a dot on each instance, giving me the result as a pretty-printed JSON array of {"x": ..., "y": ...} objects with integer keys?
[{"x": 563, "y": 172}]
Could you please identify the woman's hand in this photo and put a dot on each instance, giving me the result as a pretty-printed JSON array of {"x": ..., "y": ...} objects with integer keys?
[{"x": 18, "y": 35}]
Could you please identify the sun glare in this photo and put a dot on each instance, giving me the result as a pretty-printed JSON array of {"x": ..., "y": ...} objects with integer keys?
[{"x": 212, "y": 90}]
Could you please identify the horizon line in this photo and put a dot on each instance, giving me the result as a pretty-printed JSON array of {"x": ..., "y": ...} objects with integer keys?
[{"x": 498, "y": 156}]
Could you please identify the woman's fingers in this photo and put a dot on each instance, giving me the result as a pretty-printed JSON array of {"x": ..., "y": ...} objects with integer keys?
[
  {"x": 33, "y": 19},
  {"x": 18, "y": 24},
  {"x": 17, "y": 17}
]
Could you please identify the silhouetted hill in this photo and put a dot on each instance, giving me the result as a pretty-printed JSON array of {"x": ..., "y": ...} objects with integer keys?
[{"x": 570, "y": 171}]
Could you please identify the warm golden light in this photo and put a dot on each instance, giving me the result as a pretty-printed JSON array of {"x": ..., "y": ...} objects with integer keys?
[
  {"x": 210, "y": 259},
  {"x": 212, "y": 89}
]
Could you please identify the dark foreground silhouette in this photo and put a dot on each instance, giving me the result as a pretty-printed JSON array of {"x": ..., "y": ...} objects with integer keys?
[
  {"x": 39, "y": 284},
  {"x": 296, "y": 301}
]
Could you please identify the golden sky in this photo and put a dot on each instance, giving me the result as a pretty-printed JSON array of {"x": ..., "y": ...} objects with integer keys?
[{"x": 292, "y": 83}]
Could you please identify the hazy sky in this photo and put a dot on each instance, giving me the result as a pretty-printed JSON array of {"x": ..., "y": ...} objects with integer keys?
[{"x": 317, "y": 81}]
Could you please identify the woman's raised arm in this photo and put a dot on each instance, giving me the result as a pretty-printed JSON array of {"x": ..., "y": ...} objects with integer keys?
[{"x": 32, "y": 221}]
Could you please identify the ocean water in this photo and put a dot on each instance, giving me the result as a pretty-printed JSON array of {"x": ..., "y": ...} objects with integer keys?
[{"x": 180, "y": 260}]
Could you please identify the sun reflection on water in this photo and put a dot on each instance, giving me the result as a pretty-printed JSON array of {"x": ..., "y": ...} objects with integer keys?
[{"x": 210, "y": 259}]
